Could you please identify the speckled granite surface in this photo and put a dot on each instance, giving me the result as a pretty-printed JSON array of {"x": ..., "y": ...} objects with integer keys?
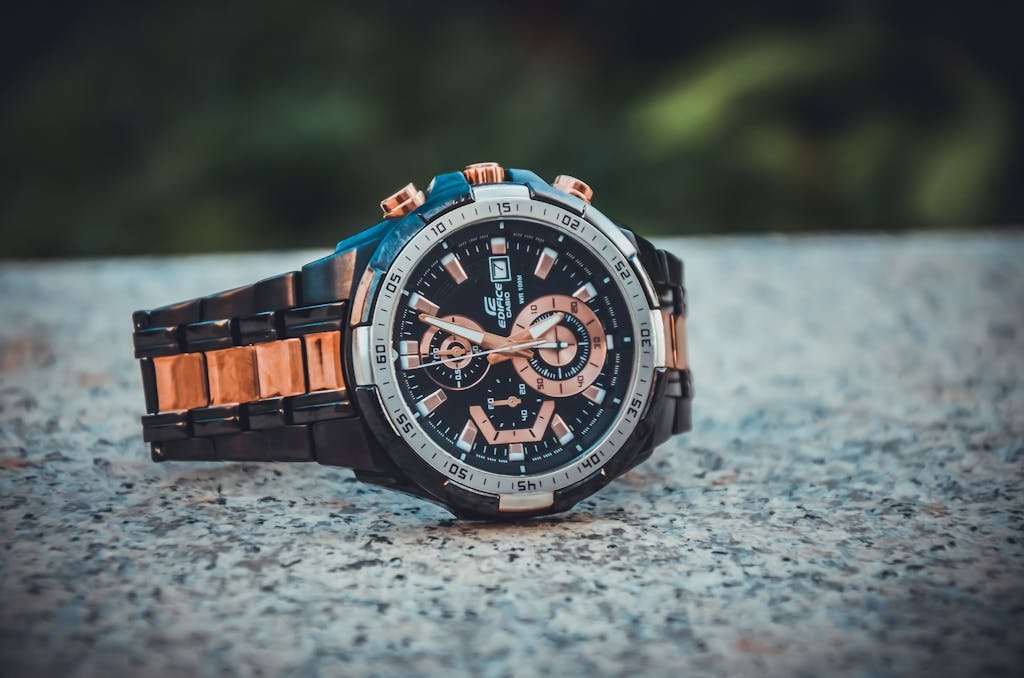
[{"x": 850, "y": 500}]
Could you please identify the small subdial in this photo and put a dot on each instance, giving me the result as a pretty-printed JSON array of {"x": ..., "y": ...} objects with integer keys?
[
  {"x": 510, "y": 415},
  {"x": 573, "y": 352},
  {"x": 450, "y": 360}
]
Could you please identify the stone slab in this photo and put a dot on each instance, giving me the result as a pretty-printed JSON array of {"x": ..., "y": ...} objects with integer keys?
[{"x": 849, "y": 501}]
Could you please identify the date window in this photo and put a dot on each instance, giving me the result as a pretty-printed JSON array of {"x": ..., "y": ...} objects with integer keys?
[{"x": 500, "y": 269}]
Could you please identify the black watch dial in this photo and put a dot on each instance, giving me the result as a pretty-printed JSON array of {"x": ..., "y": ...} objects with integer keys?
[{"x": 513, "y": 346}]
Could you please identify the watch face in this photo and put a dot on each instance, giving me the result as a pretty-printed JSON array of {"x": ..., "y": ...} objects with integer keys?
[
  {"x": 511, "y": 349},
  {"x": 514, "y": 346}
]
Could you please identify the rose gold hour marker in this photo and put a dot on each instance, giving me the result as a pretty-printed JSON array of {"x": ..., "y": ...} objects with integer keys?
[
  {"x": 595, "y": 394},
  {"x": 467, "y": 436},
  {"x": 452, "y": 264},
  {"x": 422, "y": 304},
  {"x": 431, "y": 402},
  {"x": 408, "y": 355},
  {"x": 498, "y": 246},
  {"x": 515, "y": 452},
  {"x": 585, "y": 293},
  {"x": 545, "y": 262},
  {"x": 561, "y": 430}
]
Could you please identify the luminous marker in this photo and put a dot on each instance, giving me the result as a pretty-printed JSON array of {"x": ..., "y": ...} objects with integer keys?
[
  {"x": 595, "y": 393},
  {"x": 498, "y": 246},
  {"x": 609, "y": 340},
  {"x": 545, "y": 262},
  {"x": 627, "y": 339},
  {"x": 410, "y": 355},
  {"x": 452, "y": 264},
  {"x": 431, "y": 402},
  {"x": 467, "y": 436},
  {"x": 561, "y": 430},
  {"x": 586, "y": 293},
  {"x": 515, "y": 452},
  {"x": 422, "y": 304}
]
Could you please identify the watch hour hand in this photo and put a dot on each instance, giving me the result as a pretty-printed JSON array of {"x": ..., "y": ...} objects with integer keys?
[{"x": 467, "y": 333}]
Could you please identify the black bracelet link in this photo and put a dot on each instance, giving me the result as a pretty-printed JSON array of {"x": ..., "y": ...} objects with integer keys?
[{"x": 667, "y": 275}]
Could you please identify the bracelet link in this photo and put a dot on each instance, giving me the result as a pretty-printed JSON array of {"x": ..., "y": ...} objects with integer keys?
[
  {"x": 676, "y": 355},
  {"x": 181, "y": 382}
]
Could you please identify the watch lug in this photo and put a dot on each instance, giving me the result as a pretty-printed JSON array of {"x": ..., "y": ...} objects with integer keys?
[
  {"x": 397, "y": 483},
  {"x": 367, "y": 399},
  {"x": 542, "y": 190},
  {"x": 445, "y": 192}
]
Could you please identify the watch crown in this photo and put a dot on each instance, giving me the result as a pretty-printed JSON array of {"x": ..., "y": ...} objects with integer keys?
[
  {"x": 403, "y": 201},
  {"x": 484, "y": 173},
  {"x": 573, "y": 186}
]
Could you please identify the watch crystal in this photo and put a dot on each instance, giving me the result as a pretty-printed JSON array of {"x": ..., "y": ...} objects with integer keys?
[{"x": 513, "y": 346}]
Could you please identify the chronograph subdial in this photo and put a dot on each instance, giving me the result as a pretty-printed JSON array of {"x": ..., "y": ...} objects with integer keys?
[
  {"x": 511, "y": 417},
  {"x": 451, "y": 360},
  {"x": 576, "y": 352}
]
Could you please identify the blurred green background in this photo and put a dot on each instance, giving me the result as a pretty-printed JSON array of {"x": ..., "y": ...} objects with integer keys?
[{"x": 182, "y": 127}]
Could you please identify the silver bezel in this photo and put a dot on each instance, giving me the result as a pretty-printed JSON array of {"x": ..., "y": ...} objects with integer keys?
[{"x": 513, "y": 201}]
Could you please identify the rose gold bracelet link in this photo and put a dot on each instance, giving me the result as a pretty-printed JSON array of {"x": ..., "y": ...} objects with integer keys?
[
  {"x": 676, "y": 354},
  {"x": 323, "y": 361},
  {"x": 180, "y": 382},
  {"x": 279, "y": 368},
  {"x": 232, "y": 375}
]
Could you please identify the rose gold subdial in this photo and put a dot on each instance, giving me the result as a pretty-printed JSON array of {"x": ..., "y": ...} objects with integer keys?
[{"x": 572, "y": 357}]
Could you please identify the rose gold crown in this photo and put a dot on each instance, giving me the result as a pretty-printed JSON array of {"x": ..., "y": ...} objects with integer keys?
[
  {"x": 484, "y": 173},
  {"x": 573, "y": 186},
  {"x": 402, "y": 202}
]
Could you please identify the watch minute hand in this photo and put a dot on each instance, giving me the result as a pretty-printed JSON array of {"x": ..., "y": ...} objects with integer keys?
[
  {"x": 481, "y": 339},
  {"x": 510, "y": 347},
  {"x": 534, "y": 331}
]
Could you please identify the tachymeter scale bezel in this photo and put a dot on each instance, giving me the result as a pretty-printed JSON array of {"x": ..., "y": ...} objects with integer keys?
[{"x": 512, "y": 205}]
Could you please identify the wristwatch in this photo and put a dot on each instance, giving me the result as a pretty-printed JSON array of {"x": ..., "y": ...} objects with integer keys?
[{"x": 496, "y": 345}]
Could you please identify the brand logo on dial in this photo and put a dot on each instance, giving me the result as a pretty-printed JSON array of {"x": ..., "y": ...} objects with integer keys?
[{"x": 499, "y": 306}]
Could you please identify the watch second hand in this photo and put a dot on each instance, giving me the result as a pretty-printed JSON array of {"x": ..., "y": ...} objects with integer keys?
[{"x": 511, "y": 347}]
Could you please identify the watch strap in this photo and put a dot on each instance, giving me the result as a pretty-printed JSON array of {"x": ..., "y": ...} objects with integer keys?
[{"x": 256, "y": 373}]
